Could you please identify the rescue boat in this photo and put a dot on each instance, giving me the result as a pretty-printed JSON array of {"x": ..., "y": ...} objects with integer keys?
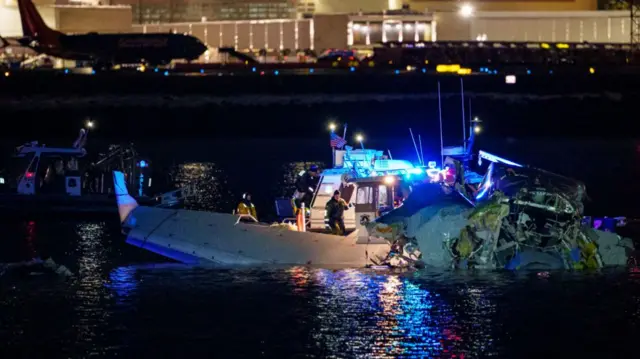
[{"x": 368, "y": 180}]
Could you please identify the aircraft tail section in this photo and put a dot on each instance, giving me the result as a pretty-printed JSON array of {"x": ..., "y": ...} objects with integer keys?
[
  {"x": 34, "y": 27},
  {"x": 126, "y": 203}
]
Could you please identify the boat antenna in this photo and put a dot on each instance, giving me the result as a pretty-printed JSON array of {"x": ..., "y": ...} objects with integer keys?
[
  {"x": 344, "y": 132},
  {"x": 440, "y": 116},
  {"x": 415, "y": 146},
  {"x": 464, "y": 121},
  {"x": 421, "y": 153},
  {"x": 389, "y": 152}
]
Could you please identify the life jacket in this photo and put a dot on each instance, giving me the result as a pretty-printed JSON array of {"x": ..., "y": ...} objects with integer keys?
[{"x": 246, "y": 207}]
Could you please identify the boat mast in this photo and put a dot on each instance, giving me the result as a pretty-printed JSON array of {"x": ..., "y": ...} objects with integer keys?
[
  {"x": 440, "y": 116},
  {"x": 415, "y": 146},
  {"x": 464, "y": 122}
]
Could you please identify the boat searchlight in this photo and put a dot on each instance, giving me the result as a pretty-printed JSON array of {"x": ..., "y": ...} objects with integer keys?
[{"x": 389, "y": 179}]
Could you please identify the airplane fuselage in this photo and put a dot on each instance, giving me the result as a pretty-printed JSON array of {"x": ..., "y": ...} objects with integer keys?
[{"x": 154, "y": 49}]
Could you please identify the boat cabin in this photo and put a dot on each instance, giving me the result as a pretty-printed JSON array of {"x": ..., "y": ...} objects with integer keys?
[
  {"x": 368, "y": 197},
  {"x": 48, "y": 170}
]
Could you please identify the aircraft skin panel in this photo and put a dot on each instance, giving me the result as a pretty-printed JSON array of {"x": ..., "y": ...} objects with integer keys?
[{"x": 216, "y": 237}]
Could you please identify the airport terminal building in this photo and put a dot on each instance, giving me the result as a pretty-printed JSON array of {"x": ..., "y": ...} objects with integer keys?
[{"x": 276, "y": 25}]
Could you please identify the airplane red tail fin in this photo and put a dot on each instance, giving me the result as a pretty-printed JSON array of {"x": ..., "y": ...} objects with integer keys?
[{"x": 33, "y": 26}]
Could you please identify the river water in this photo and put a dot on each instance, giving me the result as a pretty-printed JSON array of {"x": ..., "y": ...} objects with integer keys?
[{"x": 124, "y": 302}]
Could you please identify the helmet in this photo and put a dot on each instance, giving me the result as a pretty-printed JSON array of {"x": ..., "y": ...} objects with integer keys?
[
  {"x": 313, "y": 168},
  {"x": 246, "y": 195}
]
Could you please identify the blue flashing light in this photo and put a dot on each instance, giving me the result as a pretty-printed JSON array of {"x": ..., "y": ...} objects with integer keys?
[
  {"x": 93, "y": 72},
  {"x": 253, "y": 69},
  {"x": 424, "y": 71},
  {"x": 397, "y": 72},
  {"x": 201, "y": 71},
  {"x": 528, "y": 72},
  {"x": 352, "y": 69},
  {"x": 276, "y": 72},
  {"x": 495, "y": 72},
  {"x": 550, "y": 72},
  {"x": 143, "y": 164},
  {"x": 310, "y": 71},
  {"x": 155, "y": 70},
  {"x": 66, "y": 71},
  {"x": 166, "y": 73},
  {"x": 486, "y": 183}
]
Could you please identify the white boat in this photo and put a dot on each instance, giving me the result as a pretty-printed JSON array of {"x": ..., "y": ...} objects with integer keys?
[
  {"x": 32, "y": 192},
  {"x": 366, "y": 178}
]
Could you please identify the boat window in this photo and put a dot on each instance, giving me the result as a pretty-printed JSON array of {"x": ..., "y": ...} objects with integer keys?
[
  {"x": 364, "y": 195},
  {"x": 383, "y": 197},
  {"x": 365, "y": 199}
]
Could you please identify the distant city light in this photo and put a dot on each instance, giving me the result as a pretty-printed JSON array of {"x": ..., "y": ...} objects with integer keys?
[
  {"x": 6, "y": 74},
  {"x": 466, "y": 10},
  {"x": 592, "y": 70},
  {"x": 89, "y": 124},
  {"x": 510, "y": 79}
]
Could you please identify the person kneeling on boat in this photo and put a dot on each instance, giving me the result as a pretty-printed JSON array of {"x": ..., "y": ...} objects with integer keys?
[
  {"x": 335, "y": 212},
  {"x": 246, "y": 207}
]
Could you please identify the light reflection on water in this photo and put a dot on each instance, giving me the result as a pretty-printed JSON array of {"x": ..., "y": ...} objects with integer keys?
[{"x": 118, "y": 307}]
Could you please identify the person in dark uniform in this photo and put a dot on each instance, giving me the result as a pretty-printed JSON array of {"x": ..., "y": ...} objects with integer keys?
[
  {"x": 306, "y": 184},
  {"x": 335, "y": 212}
]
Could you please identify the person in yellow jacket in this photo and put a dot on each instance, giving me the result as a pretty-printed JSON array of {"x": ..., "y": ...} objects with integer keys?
[{"x": 246, "y": 206}]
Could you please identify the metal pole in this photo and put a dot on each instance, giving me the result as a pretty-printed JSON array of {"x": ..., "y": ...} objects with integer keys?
[
  {"x": 464, "y": 125},
  {"x": 421, "y": 153},
  {"x": 415, "y": 146},
  {"x": 333, "y": 159},
  {"x": 470, "y": 115},
  {"x": 440, "y": 116}
]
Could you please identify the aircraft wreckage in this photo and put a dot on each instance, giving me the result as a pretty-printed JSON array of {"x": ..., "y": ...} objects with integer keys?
[
  {"x": 516, "y": 217},
  {"x": 399, "y": 215}
]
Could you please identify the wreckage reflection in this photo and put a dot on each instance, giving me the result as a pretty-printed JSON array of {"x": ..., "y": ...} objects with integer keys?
[{"x": 370, "y": 315}]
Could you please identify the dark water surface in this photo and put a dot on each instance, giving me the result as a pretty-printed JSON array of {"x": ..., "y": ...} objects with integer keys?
[{"x": 124, "y": 302}]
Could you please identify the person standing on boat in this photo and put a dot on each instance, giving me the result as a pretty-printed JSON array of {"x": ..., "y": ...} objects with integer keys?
[
  {"x": 246, "y": 206},
  {"x": 335, "y": 212},
  {"x": 305, "y": 187}
]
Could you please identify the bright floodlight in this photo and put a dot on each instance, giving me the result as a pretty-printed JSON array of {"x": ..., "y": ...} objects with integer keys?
[
  {"x": 90, "y": 124},
  {"x": 359, "y": 138},
  {"x": 477, "y": 129},
  {"x": 510, "y": 79},
  {"x": 389, "y": 179},
  {"x": 466, "y": 10},
  {"x": 332, "y": 127}
]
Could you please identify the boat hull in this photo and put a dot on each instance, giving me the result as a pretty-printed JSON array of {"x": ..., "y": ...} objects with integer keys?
[{"x": 218, "y": 238}]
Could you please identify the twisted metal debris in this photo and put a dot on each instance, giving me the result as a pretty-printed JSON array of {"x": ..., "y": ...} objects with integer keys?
[{"x": 515, "y": 218}]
